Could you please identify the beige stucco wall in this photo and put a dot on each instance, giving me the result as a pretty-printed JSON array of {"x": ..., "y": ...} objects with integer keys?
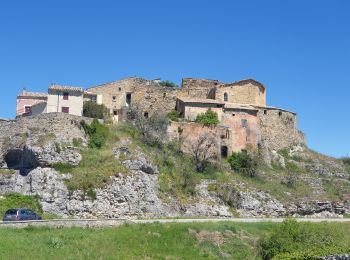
[
  {"x": 248, "y": 93},
  {"x": 191, "y": 111},
  {"x": 75, "y": 101}
]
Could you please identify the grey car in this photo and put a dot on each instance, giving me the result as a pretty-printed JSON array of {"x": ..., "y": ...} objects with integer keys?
[{"x": 20, "y": 215}]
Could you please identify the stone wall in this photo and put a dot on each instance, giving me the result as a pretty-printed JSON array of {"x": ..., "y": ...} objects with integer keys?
[
  {"x": 146, "y": 95},
  {"x": 197, "y": 88},
  {"x": 279, "y": 129},
  {"x": 242, "y": 93}
]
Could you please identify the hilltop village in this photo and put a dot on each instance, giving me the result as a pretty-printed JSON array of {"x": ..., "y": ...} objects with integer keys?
[
  {"x": 253, "y": 161},
  {"x": 244, "y": 117}
]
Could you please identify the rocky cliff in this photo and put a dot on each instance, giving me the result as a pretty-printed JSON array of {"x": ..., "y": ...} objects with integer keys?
[{"x": 30, "y": 147}]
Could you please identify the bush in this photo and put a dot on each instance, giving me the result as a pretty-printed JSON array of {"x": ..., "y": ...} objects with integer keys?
[
  {"x": 208, "y": 118},
  {"x": 242, "y": 162},
  {"x": 346, "y": 160},
  {"x": 304, "y": 239},
  {"x": 94, "y": 110},
  {"x": 174, "y": 115},
  {"x": 168, "y": 83},
  {"x": 97, "y": 132}
]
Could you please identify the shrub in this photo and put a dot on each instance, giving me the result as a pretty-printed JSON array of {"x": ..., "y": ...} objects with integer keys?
[
  {"x": 346, "y": 160},
  {"x": 208, "y": 118},
  {"x": 174, "y": 115},
  {"x": 77, "y": 142},
  {"x": 293, "y": 238},
  {"x": 244, "y": 163},
  {"x": 168, "y": 83},
  {"x": 94, "y": 110},
  {"x": 97, "y": 132}
]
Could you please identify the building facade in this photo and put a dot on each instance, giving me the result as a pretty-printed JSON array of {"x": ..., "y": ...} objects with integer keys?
[
  {"x": 25, "y": 101},
  {"x": 65, "y": 99}
]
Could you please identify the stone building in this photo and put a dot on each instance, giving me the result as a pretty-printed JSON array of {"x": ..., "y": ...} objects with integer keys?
[
  {"x": 65, "y": 99},
  {"x": 62, "y": 99},
  {"x": 245, "y": 119},
  {"x": 25, "y": 101}
]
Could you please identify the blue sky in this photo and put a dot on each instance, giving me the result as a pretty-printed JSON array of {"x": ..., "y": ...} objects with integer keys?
[{"x": 300, "y": 50}]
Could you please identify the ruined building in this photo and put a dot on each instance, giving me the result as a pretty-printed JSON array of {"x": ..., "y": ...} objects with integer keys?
[{"x": 245, "y": 119}]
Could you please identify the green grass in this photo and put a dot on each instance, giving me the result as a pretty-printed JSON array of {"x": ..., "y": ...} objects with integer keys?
[
  {"x": 93, "y": 171},
  {"x": 145, "y": 241},
  {"x": 45, "y": 139},
  {"x": 95, "y": 168},
  {"x": 16, "y": 200},
  {"x": 222, "y": 240},
  {"x": 7, "y": 171}
]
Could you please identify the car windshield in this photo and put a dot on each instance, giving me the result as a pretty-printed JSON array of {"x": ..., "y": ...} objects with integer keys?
[{"x": 11, "y": 212}]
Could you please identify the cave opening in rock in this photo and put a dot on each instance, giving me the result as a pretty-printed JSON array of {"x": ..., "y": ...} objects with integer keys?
[{"x": 21, "y": 159}]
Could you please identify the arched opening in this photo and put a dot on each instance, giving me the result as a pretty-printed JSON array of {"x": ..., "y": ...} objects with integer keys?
[
  {"x": 146, "y": 115},
  {"x": 225, "y": 97},
  {"x": 224, "y": 151}
]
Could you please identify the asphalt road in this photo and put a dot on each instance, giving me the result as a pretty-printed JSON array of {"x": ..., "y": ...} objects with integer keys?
[{"x": 117, "y": 222}]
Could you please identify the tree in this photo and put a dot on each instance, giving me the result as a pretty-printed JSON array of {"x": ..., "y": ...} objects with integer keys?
[
  {"x": 208, "y": 118},
  {"x": 94, "y": 110},
  {"x": 203, "y": 151},
  {"x": 153, "y": 130}
]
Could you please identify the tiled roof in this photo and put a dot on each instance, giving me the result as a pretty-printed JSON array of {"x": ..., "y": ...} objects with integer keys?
[
  {"x": 201, "y": 100},
  {"x": 244, "y": 81},
  {"x": 66, "y": 88},
  {"x": 32, "y": 94}
]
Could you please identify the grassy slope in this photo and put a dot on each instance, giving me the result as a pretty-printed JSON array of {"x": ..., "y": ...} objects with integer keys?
[
  {"x": 153, "y": 241},
  {"x": 222, "y": 240},
  {"x": 178, "y": 178}
]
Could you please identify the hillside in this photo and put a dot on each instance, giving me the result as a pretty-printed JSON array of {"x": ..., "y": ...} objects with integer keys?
[{"x": 91, "y": 170}]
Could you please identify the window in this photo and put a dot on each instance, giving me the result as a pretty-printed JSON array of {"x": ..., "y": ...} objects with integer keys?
[
  {"x": 225, "y": 97},
  {"x": 145, "y": 114},
  {"x": 280, "y": 113},
  {"x": 114, "y": 98},
  {"x": 128, "y": 99},
  {"x": 233, "y": 114},
  {"x": 120, "y": 89},
  {"x": 94, "y": 99},
  {"x": 265, "y": 112},
  {"x": 65, "y": 110},
  {"x": 115, "y": 112},
  {"x": 224, "y": 151},
  {"x": 27, "y": 109},
  {"x": 65, "y": 96},
  {"x": 244, "y": 122}
]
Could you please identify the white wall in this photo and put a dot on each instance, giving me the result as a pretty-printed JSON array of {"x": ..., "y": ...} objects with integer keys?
[{"x": 75, "y": 102}]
